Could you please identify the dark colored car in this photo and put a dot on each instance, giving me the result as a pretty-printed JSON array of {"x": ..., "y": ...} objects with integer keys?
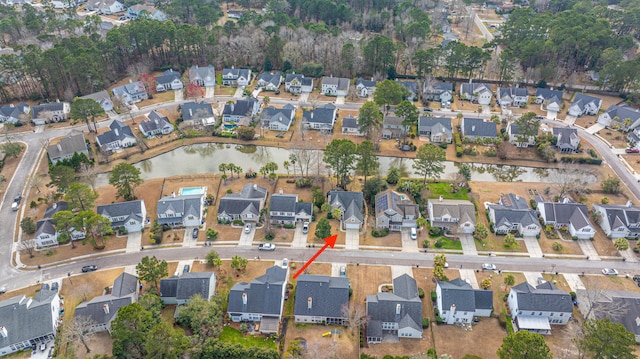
[
  {"x": 45, "y": 286},
  {"x": 55, "y": 286},
  {"x": 632, "y": 150},
  {"x": 91, "y": 268},
  {"x": 186, "y": 268},
  {"x": 195, "y": 233}
]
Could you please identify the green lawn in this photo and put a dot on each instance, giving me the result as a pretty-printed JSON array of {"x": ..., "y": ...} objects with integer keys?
[
  {"x": 447, "y": 243},
  {"x": 444, "y": 189},
  {"x": 231, "y": 335}
]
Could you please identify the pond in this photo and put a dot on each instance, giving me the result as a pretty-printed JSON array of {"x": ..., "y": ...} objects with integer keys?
[{"x": 205, "y": 158}]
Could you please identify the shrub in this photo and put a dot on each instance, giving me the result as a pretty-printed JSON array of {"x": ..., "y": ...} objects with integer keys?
[
  {"x": 636, "y": 250},
  {"x": 269, "y": 236},
  {"x": 421, "y": 293},
  {"x": 490, "y": 152},
  {"x": 533, "y": 203},
  {"x": 438, "y": 319},
  {"x": 33, "y": 204},
  {"x": 604, "y": 200},
  {"x": 211, "y": 234},
  {"x": 443, "y": 145},
  {"x": 380, "y": 233},
  {"x": 238, "y": 222},
  {"x": 425, "y": 323},
  {"x": 435, "y": 232},
  {"x": 304, "y": 182},
  {"x": 502, "y": 319},
  {"x": 425, "y": 243},
  {"x": 438, "y": 243},
  {"x": 557, "y": 246},
  {"x": 434, "y": 296},
  {"x": 573, "y": 295},
  {"x": 459, "y": 151}
]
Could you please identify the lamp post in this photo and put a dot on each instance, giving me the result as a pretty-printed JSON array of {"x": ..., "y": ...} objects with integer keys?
[{"x": 69, "y": 276}]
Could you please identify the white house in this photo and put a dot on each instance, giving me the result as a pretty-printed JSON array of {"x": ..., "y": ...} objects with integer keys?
[
  {"x": 131, "y": 215},
  {"x": 518, "y": 139},
  {"x": 350, "y": 205},
  {"x": 513, "y": 214},
  {"x": 179, "y": 289},
  {"x": 512, "y": 96},
  {"x": 365, "y": 88},
  {"x": 278, "y": 119},
  {"x": 181, "y": 210},
  {"x": 50, "y": 113},
  {"x": 458, "y": 302},
  {"x": 549, "y": 100},
  {"x": 350, "y": 126},
  {"x": 452, "y": 214},
  {"x": 476, "y": 92},
  {"x": 584, "y": 105},
  {"x": 102, "y": 98},
  {"x": 131, "y": 93},
  {"x": 68, "y": 146},
  {"x": 567, "y": 214},
  {"x": 619, "y": 221},
  {"x": 297, "y": 84},
  {"x": 270, "y": 81},
  {"x": 335, "y": 86},
  {"x": 623, "y": 117},
  {"x": 236, "y": 77},
  {"x": 395, "y": 211},
  {"x": 536, "y": 308},
  {"x": 118, "y": 137},
  {"x": 170, "y": 80},
  {"x": 155, "y": 124},
  {"x": 438, "y": 91},
  {"x": 203, "y": 76}
]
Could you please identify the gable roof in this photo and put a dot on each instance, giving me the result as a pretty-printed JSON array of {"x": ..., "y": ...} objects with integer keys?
[
  {"x": 366, "y": 83},
  {"x": 186, "y": 204},
  {"x": 505, "y": 216},
  {"x": 67, "y": 145},
  {"x": 195, "y": 110},
  {"x": 37, "y": 110},
  {"x": 350, "y": 122},
  {"x": 119, "y": 131},
  {"x": 271, "y": 78},
  {"x": 460, "y": 293},
  {"x": 543, "y": 298},
  {"x": 103, "y": 309},
  {"x": 456, "y": 208},
  {"x": 283, "y": 202},
  {"x": 478, "y": 127},
  {"x": 511, "y": 92},
  {"x": 550, "y": 96},
  {"x": 565, "y": 135},
  {"x": 168, "y": 77},
  {"x": 328, "y": 296},
  {"x": 620, "y": 306},
  {"x": 324, "y": 114},
  {"x": 263, "y": 294},
  {"x": 350, "y": 202},
  {"x": 403, "y": 306},
  {"x": 242, "y": 107},
  {"x": 206, "y": 73},
  {"x": 249, "y": 199},
  {"x": 569, "y": 212},
  {"x": 438, "y": 87},
  {"x": 436, "y": 124},
  {"x": 55, "y": 208},
  {"x": 130, "y": 89},
  {"x": 27, "y": 318},
  {"x": 390, "y": 201},
  {"x": 623, "y": 112},
  {"x": 340, "y": 82},
  {"x": 620, "y": 215},
  {"x": 304, "y": 81},
  {"x": 475, "y": 89},
  {"x": 154, "y": 121},
  {"x": 129, "y": 210},
  {"x": 513, "y": 201},
  {"x": 236, "y": 73},
  {"x": 45, "y": 226},
  {"x": 99, "y": 97},
  {"x": 283, "y": 115},
  {"x": 582, "y": 100}
]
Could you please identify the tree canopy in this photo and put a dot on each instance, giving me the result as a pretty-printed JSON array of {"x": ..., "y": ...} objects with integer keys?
[
  {"x": 524, "y": 344},
  {"x": 605, "y": 339},
  {"x": 125, "y": 177}
]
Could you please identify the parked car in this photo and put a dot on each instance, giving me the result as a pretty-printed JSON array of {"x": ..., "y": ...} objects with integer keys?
[
  {"x": 186, "y": 268},
  {"x": 414, "y": 234},
  {"x": 632, "y": 150},
  {"x": 609, "y": 271},
  {"x": 305, "y": 227},
  {"x": 16, "y": 202},
  {"x": 195, "y": 233},
  {"x": 3, "y": 290},
  {"x": 55, "y": 286},
  {"x": 285, "y": 263},
  {"x": 343, "y": 271},
  {"x": 247, "y": 229},
  {"x": 17, "y": 198},
  {"x": 488, "y": 266},
  {"x": 427, "y": 109},
  {"x": 267, "y": 247},
  {"x": 636, "y": 278},
  {"x": 45, "y": 286},
  {"x": 91, "y": 268},
  {"x": 43, "y": 347}
]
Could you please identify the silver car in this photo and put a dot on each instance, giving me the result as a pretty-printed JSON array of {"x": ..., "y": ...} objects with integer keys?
[{"x": 488, "y": 266}]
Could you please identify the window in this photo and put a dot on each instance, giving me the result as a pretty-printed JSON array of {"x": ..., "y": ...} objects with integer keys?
[{"x": 561, "y": 314}]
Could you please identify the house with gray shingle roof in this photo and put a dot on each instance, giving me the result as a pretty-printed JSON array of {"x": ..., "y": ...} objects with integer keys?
[
  {"x": 619, "y": 221},
  {"x": 131, "y": 93},
  {"x": 437, "y": 91},
  {"x": 473, "y": 128},
  {"x": 243, "y": 108},
  {"x": 68, "y": 146},
  {"x": 270, "y": 81},
  {"x": 260, "y": 300},
  {"x": 517, "y": 137},
  {"x": 536, "y": 308},
  {"x": 392, "y": 126},
  {"x": 131, "y": 215},
  {"x": 411, "y": 90},
  {"x": 46, "y": 234},
  {"x": 28, "y": 321},
  {"x": 567, "y": 214},
  {"x": 365, "y": 88},
  {"x": 620, "y": 306},
  {"x": 452, "y": 214},
  {"x": 350, "y": 126},
  {"x": 244, "y": 206},
  {"x": 397, "y": 314},
  {"x": 144, "y": 11},
  {"x": 476, "y": 92},
  {"x": 320, "y": 299},
  {"x": 584, "y": 104},
  {"x": 622, "y": 116},
  {"x": 180, "y": 290},
  {"x": 335, "y": 86},
  {"x": 513, "y": 214},
  {"x": 14, "y": 113},
  {"x": 278, "y": 119},
  {"x": 567, "y": 139},
  {"x": 438, "y": 129},
  {"x": 236, "y": 77},
  {"x": 182, "y": 210},
  {"x": 50, "y": 112},
  {"x": 286, "y": 209},
  {"x": 549, "y": 100},
  {"x": 350, "y": 205},
  {"x": 395, "y": 211},
  {"x": 170, "y": 80},
  {"x": 297, "y": 84},
  {"x": 203, "y": 76},
  {"x": 197, "y": 114},
  {"x": 458, "y": 302},
  {"x": 321, "y": 118},
  {"x": 512, "y": 96},
  {"x": 102, "y": 98},
  {"x": 102, "y": 310},
  {"x": 155, "y": 124},
  {"x": 118, "y": 137}
]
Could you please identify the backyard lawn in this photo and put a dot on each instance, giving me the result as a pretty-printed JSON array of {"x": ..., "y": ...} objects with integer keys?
[
  {"x": 444, "y": 190},
  {"x": 232, "y": 335}
]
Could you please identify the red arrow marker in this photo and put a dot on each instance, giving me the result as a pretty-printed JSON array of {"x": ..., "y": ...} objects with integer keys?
[{"x": 329, "y": 241}]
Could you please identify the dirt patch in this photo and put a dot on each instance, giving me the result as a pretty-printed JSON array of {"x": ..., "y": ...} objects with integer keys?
[
  {"x": 601, "y": 282},
  {"x": 366, "y": 279},
  {"x": 344, "y": 345},
  {"x": 64, "y": 252},
  {"x": 467, "y": 341}
]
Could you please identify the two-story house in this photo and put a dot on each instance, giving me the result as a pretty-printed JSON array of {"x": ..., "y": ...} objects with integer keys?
[
  {"x": 102, "y": 98},
  {"x": 105, "y": 7},
  {"x": 619, "y": 306},
  {"x": 473, "y": 128},
  {"x": 170, "y": 80},
  {"x": 197, "y": 114},
  {"x": 395, "y": 211},
  {"x": 350, "y": 126},
  {"x": 286, "y": 209},
  {"x": 130, "y": 93},
  {"x": 202, "y": 76},
  {"x": 244, "y": 206},
  {"x": 335, "y": 86},
  {"x": 236, "y": 77},
  {"x": 452, "y": 215},
  {"x": 260, "y": 300},
  {"x": 322, "y": 300},
  {"x": 181, "y": 210},
  {"x": 297, "y": 84},
  {"x": 14, "y": 113},
  {"x": 584, "y": 105},
  {"x": 180, "y": 289},
  {"x": 67, "y": 146},
  {"x": 365, "y": 88},
  {"x": 155, "y": 124},
  {"x": 512, "y": 96},
  {"x": 458, "y": 302},
  {"x": 623, "y": 117},
  {"x": 278, "y": 119},
  {"x": 410, "y": 89},
  {"x": 619, "y": 221},
  {"x": 512, "y": 214},
  {"x": 476, "y": 92},
  {"x": 438, "y": 129},
  {"x": 322, "y": 118},
  {"x": 437, "y": 91},
  {"x": 397, "y": 314},
  {"x": 567, "y": 139},
  {"x": 270, "y": 81},
  {"x": 549, "y": 100},
  {"x": 392, "y": 126},
  {"x": 103, "y": 309},
  {"x": 536, "y": 308},
  {"x": 131, "y": 215},
  {"x": 50, "y": 113},
  {"x": 350, "y": 205},
  {"x": 243, "y": 108},
  {"x": 46, "y": 234},
  {"x": 518, "y": 138},
  {"x": 147, "y": 12},
  {"x": 567, "y": 214},
  {"x": 118, "y": 137}
]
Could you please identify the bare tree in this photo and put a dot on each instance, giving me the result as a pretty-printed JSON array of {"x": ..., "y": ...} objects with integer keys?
[
  {"x": 88, "y": 175},
  {"x": 83, "y": 291},
  {"x": 572, "y": 179},
  {"x": 36, "y": 181},
  {"x": 139, "y": 68},
  {"x": 306, "y": 157},
  {"x": 27, "y": 246},
  {"x": 79, "y": 328},
  {"x": 356, "y": 314}
]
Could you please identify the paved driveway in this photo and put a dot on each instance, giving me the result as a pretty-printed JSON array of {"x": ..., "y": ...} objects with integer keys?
[
  {"x": 352, "y": 239},
  {"x": 246, "y": 239},
  {"x": 588, "y": 249},
  {"x": 134, "y": 242},
  {"x": 532, "y": 277},
  {"x": 469, "y": 276},
  {"x": 208, "y": 92},
  {"x": 397, "y": 271},
  {"x": 299, "y": 238},
  {"x": 533, "y": 247},
  {"x": 178, "y": 95},
  {"x": 468, "y": 245},
  {"x": 408, "y": 244}
]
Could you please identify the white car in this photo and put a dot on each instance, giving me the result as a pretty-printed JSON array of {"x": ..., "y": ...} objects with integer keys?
[
  {"x": 609, "y": 271},
  {"x": 488, "y": 266},
  {"x": 247, "y": 229},
  {"x": 285, "y": 263}
]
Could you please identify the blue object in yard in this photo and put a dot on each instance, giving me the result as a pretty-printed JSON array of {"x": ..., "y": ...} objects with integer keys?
[{"x": 575, "y": 303}]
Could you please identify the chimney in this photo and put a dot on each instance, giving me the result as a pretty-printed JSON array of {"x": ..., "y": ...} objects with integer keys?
[
  {"x": 156, "y": 121},
  {"x": 55, "y": 205},
  {"x": 440, "y": 199},
  {"x": 398, "y": 307},
  {"x": 309, "y": 303},
  {"x": 255, "y": 186},
  {"x": 629, "y": 203},
  {"x": 473, "y": 128},
  {"x": 173, "y": 194},
  {"x": 280, "y": 191},
  {"x": 3, "y": 332},
  {"x": 105, "y": 307},
  {"x": 453, "y": 309},
  {"x": 115, "y": 130},
  {"x": 191, "y": 112},
  {"x": 244, "y": 298},
  {"x": 59, "y": 147},
  {"x": 130, "y": 81}
]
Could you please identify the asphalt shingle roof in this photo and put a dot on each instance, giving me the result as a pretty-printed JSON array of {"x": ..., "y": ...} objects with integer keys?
[
  {"x": 544, "y": 298},
  {"x": 67, "y": 145},
  {"x": 478, "y": 127},
  {"x": 263, "y": 294},
  {"x": 328, "y": 296},
  {"x": 350, "y": 202},
  {"x": 394, "y": 307},
  {"x": 324, "y": 114},
  {"x": 128, "y": 210},
  {"x": 119, "y": 131},
  {"x": 194, "y": 110},
  {"x": 27, "y": 318}
]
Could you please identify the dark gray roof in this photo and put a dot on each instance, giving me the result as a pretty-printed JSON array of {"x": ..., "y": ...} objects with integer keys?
[
  {"x": 55, "y": 208},
  {"x": 263, "y": 294},
  {"x": 460, "y": 293},
  {"x": 68, "y": 145},
  {"x": 581, "y": 100},
  {"x": 394, "y": 202},
  {"x": 618, "y": 215},
  {"x": 242, "y": 107},
  {"x": 124, "y": 284},
  {"x": 283, "y": 115},
  {"x": 324, "y": 114},
  {"x": 53, "y": 107},
  {"x": 620, "y": 306},
  {"x": 283, "y": 202},
  {"x": 328, "y": 296},
  {"x": 510, "y": 216},
  {"x": 340, "y": 82},
  {"x": 249, "y": 198},
  {"x": 154, "y": 122},
  {"x": 128, "y": 210},
  {"x": 306, "y": 207},
  {"x": 350, "y": 202},
  {"x": 394, "y": 307},
  {"x": 14, "y": 111},
  {"x": 236, "y": 73},
  {"x": 623, "y": 112},
  {"x": 473, "y": 89},
  {"x": 27, "y": 318},
  {"x": 187, "y": 204},
  {"x": 350, "y": 122},
  {"x": 168, "y": 77},
  {"x": 576, "y": 213},
  {"x": 104, "y": 308},
  {"x": 119, "y": 131},
  {"x": 565, "y": 134},
  {"x": 544, "y": 298},
  {"x": 513, "y": 201},
  {"x": 442, "y": 123},
  {"x": 194, "y": 110},
  {"x": 549, "y": 95},
  {"x": 192, "y": 283},
  {"x": 271, "y": 78},
  {"x": 365, "y": 83},
  {"x": 392, "y": 120},
  {"x": 512, "y": 92},
  {"x": 304, "y": 81},
  {"x": 438, "y": 87},
  {"x": 168, "y": 287},
  {"x": 133, "y": 88},
  {"x": 45, "y": 226},
  {"x": 478, "y": 127}
]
